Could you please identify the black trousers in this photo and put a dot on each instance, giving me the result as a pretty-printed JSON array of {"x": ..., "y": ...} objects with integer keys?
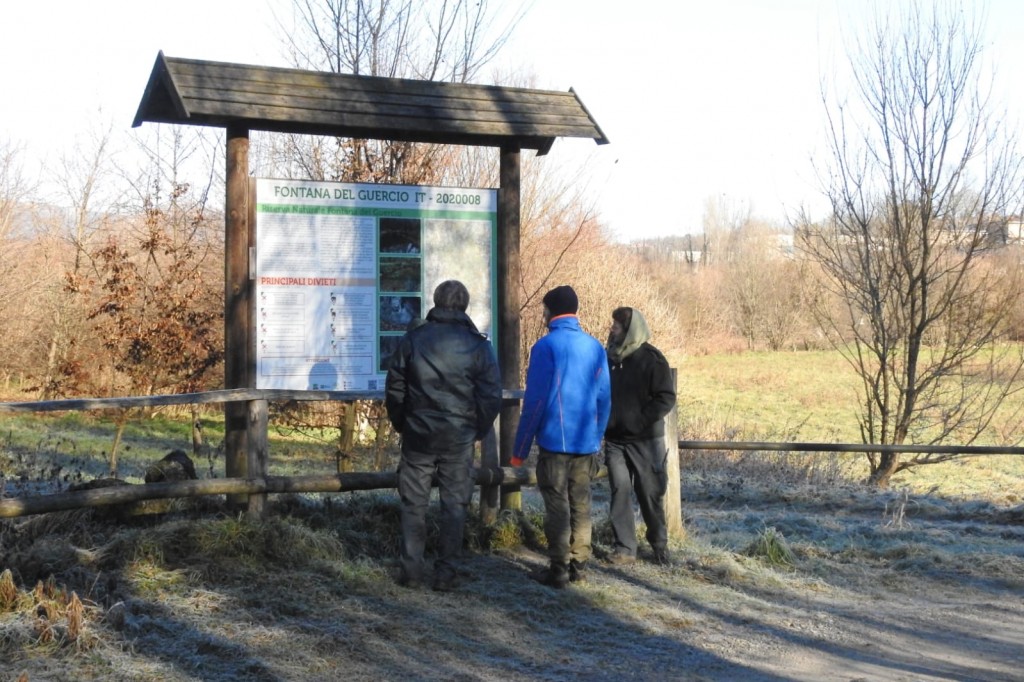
[
  {"x": 637, "y": 467},
  {"x": 415, "y": 474}
]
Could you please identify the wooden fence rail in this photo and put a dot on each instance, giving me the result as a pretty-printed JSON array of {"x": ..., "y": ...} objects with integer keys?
[
  {"x": 490, "y": 476},
  {"x": 333, "y": 483},
  {"x": 257, "y": 485},
  {"x": 851, "y": 447},
  {"x": 204, "y": 398},
  {"x": 271, "y": 395}
]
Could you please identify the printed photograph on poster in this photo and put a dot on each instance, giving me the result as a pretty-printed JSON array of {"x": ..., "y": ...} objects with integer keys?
[
  {"x": 461, "y": 249},
  {"x": 400, "y": 274},
  {"x": 400, "y": 235},
  {"x": 396, "y": 312},
  {"x": 388, "y": 346}
]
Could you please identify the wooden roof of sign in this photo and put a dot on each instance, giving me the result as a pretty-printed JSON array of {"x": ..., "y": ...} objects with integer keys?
[{"x": 195, "y": 92}]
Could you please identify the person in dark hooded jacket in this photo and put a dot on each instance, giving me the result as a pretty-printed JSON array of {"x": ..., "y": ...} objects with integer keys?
[
  {"x": 642, "y": 394},
  {"x": 442, "y": 393}
]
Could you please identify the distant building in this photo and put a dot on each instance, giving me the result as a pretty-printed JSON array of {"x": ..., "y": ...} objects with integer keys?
[
  {"x": 785, "y": 243},
  {"x": 1014, "y": 230},
  {"x": 683, "y": 256}
]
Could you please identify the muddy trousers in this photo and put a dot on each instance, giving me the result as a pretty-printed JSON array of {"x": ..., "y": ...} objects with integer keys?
[
  {"x": 415, "y": 475},
  {"x": 637, "y": 467},
  {"x": 564, "y": 482}
]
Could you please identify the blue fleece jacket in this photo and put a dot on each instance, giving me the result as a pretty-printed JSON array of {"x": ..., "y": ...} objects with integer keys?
[{"x": 567, "y": 398}]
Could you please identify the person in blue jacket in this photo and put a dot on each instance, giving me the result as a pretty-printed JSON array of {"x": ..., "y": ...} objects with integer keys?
[{"x": 565, "y": 410}]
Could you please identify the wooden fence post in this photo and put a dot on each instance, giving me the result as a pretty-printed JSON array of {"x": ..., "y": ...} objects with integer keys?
[
  {"x": 509, "y": 331},
  {"x": 489, "y": 494},
  {"x": 673, "y": 496},
  {"x": 237, "y": 302},
  {"x": 257, "y": 455}
]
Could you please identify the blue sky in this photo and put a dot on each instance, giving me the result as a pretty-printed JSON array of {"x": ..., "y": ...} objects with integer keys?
[{"x": 700, "y": 99}]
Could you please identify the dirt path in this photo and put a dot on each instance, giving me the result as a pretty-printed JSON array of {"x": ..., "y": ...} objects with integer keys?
[{"x": 683, "y": 624}]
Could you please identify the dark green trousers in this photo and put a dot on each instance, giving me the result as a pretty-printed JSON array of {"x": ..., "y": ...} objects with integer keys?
[{"x": 564, "y": 482}]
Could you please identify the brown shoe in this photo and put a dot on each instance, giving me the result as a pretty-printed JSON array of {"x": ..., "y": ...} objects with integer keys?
[
  {"x": 556, "y": 575},
  {"x": 577, "y": 571},
  {"x": 446, "y": 583},
  {"x": 621, "y": 559}
]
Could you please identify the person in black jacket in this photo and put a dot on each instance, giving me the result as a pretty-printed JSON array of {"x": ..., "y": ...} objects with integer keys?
[
  {"x": 442, "y": 393},
  {"x": 642, "y": 394}
]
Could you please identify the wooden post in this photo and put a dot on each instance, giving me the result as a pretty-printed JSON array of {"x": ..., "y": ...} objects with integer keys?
[
  {"x": 237, "y": 302},
  {"x": 508, "y": 307},
  {"x": 489, "y": 459},
  {"x": 673, "y": 496},
  {"x": 258, "y": 454}
]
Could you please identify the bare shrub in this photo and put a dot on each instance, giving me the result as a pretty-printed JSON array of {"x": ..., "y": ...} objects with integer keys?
[
  {"x": 8, "y": 591},
  {"x": 75, "y": 617},
  {"x": 738, "y": 469}
]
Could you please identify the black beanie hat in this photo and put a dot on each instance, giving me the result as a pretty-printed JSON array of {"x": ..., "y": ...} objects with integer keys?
[{"x": 562, "y": 301}]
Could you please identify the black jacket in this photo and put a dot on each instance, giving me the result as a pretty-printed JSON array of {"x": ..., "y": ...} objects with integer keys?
[
  {"x": 642, "y": 394},
  {"x": 443, "y": 388}
]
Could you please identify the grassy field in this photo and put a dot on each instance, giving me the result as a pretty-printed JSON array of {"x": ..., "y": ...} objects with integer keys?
[
  {"x": 812, "y": 397},
  {"x": 807, "y": 396}
]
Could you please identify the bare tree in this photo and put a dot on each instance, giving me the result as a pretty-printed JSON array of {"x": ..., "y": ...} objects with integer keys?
[
  {"x": 17, "y": 205},
  {"x": 23, "y": 265},
  {"x": 441, "y": 40},
  {"x": 766, "y": 289},
  {"x": 15, "y": 187},
  {"x": 83, "y": 177},
  {"x": 918, "y": 170},
  {"x": 724, "y": 221}
]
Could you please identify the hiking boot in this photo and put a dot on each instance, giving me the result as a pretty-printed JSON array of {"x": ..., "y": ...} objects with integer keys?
[
  {"x": 661, "y": 556},
  {"x": 577, "y": 571},
  {"x": 621, "y": 559},
  {"x": 556, "y": 575},
  {"x": 410, "y": 582}
]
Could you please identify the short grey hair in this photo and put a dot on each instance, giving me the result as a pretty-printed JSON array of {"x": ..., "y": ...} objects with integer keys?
[{"x": 451, "y": 295}]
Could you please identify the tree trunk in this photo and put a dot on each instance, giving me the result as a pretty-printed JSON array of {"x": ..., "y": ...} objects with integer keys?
[
  {"x": 51, "y": 363},
  {"x": 122, "y": 420},
  {"x": 197, "y": 431},
  {"x": 383, "y": 426},
  {"x": 884, "y": 469},
  {"x": 348, "y": 433}
]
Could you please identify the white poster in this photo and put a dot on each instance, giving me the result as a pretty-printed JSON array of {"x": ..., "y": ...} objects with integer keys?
[{"x": 343, "y": 269}]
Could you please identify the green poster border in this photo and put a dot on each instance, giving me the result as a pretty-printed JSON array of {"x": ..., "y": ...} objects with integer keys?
[{"x": 424, "y": 214}]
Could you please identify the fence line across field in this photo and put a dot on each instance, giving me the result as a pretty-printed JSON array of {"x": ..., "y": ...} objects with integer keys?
[
  {"x": 490, "y": 476},
  {"x": 851, "y": 447}
]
